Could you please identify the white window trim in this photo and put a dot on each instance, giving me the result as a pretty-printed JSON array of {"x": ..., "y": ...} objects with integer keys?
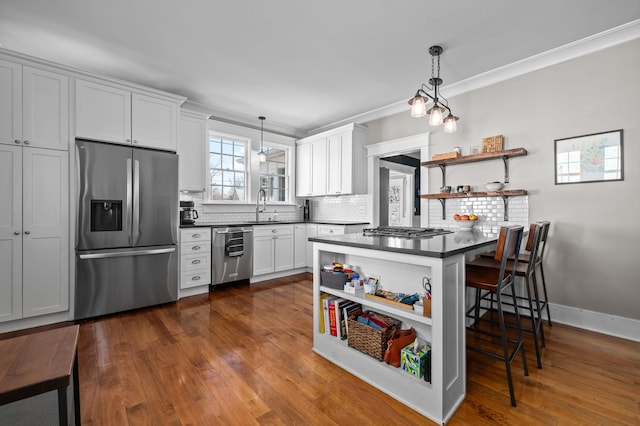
[
  {"x": 253, "y": 174},
  {"x": 290, "y": 153},
  {"x": 247, "y": 176}
]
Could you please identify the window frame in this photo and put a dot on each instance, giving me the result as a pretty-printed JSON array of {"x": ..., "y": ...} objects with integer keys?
[
  {"x": 288, "y": 164},
  {"x": 247, "y": 167}
]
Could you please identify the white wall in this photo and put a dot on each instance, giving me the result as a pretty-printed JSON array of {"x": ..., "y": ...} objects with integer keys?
[{"x": 592, "y": 251}]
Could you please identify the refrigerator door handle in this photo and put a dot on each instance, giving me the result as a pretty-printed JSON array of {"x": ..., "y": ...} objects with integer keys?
[
  {"x": 126, "y": 253},
  {"x": 136, "y": 201},
  {"x": 129, "y": 196}
]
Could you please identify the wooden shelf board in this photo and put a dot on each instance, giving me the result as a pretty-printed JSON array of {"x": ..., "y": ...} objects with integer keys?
[
  {"x": 505, "y": 193},
  {"x": 516, "y": 152}
]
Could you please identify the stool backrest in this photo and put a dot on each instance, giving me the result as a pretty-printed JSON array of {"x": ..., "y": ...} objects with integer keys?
[
  {"x": 509, "y": 241},
  {"x": 534, "y": 242},
  {"x": 544, "y": 233}
]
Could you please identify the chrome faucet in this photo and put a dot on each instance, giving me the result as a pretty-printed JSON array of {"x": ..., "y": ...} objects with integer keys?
[{"x": 264, "y": 204}]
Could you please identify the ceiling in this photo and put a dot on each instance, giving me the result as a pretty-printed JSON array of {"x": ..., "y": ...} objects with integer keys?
[{"x": 302, "y": 64}]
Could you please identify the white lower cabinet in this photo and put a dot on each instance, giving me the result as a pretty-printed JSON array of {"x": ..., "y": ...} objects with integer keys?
[
  {"x": 195, "y": 257},
  {"x": 272, "y": 248},
  {"x": 34, "y": 232},
  {"x": 300, "y": 256}
]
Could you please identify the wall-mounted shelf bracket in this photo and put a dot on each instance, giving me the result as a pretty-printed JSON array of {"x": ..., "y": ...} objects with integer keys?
[
  {"x": 505, "y": 200},
  {"x": 505, "y": 160},
  {"x": 443, "y": 169},
  {"x": 443, "y": 202}
]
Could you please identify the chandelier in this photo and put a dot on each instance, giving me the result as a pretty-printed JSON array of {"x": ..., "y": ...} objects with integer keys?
[
  {"x": 262, "y": 155},
  {"x": 440, "y": 104}
]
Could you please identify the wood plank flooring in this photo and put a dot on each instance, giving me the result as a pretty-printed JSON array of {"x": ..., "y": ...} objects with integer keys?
[{"x": 242, "y": 356}]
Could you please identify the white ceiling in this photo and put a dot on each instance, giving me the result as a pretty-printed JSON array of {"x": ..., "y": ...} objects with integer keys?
[{"x": 300, "y": 63}]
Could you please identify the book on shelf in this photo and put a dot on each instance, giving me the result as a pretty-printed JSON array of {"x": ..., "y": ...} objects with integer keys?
[
  {"x": 323, "y": 296},
  {"x": 334, "y": 307},
  {"x": 340, "y": 319},
  {"x": 351, "y": 309},
  {"x": 325, "y": 312}
]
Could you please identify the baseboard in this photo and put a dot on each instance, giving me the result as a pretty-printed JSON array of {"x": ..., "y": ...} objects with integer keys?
[{"x": 613, "y": 325}]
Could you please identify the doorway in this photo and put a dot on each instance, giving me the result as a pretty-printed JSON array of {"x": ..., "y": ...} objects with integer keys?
[
  {"x": 398, "y": 191},
  {"x": 416, "y": 147}
]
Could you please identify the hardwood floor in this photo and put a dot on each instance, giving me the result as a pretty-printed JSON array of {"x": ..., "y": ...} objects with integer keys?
[{"x": 242, "y": 355}]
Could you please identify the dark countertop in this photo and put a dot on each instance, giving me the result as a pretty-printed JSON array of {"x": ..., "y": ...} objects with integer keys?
[
  {"x": 439, "y": 246},
  {"x": 274, "y": 222}
]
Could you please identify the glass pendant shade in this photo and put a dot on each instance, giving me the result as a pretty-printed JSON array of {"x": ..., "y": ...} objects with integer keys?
[
  {"x": 435, "y": 116},
  {"x": 418, "y": 107},
  {"x": 450, "y": 125},
  {"x": 262, "y": 156}
]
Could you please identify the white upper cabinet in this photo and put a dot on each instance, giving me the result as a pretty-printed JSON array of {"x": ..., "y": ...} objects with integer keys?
[
  {"x": 118, "y": 115},
  {"x": 154, "y": 122},
  {"x": 332, "y": 163},
  {"x": 34, "y": 107},
  {"x": 102, "y": 112},
  {"x": 192, "y": 152}
]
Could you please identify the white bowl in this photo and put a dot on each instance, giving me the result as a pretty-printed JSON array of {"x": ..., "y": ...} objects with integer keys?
[
  {"x": 465, "y": 225},
  {"x": 494, "y": 186}
]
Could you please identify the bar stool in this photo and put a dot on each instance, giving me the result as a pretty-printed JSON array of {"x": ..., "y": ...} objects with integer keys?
[
  {"x": 526, "y": 257},
  {"x": 496, "y": 281},
  {"x": 527, "y": 272}
]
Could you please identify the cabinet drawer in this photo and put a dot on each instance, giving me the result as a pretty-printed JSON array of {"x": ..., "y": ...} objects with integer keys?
[
  {"x": 195, "y": 278},
  {"x": 195, "y": 247},
  {"x": 195, "y": 234},
  {"x": 263, "y": 231},
  {"x": 330, "y": 230},
  {"x": 200, "y": 260}
]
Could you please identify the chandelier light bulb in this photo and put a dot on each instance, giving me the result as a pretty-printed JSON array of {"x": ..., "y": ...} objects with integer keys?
[
  {"x": 435, "y": 116},
  {"x": 262, "y": 156},
  {"x": 418, "y": 107},
  {"x": 450, "y": 125}
]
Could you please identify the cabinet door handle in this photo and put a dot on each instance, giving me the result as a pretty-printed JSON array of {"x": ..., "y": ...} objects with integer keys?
[
  {"x": 128, "y": 140},
  {"x": 195, "y": 261},
  {"x": 274, "y": 230},
  {"x": 195, "y": 236},
  {"x": 135, "y": 141},
  {"x": 195, "y": 278},
  {"x": 26, "y": 142},
  {"x": 17, "y": 141},
  {"x": 27, "y": 232},
  {"x": 195, "y": 248},
  {"x": 16, "y": 232}
]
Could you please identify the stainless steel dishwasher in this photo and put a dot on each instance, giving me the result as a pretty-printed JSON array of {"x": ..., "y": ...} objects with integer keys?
[{"x": 231, "y": 254}]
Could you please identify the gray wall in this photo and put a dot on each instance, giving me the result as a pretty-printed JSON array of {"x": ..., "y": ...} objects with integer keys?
[{"x": 595, "y": 227}]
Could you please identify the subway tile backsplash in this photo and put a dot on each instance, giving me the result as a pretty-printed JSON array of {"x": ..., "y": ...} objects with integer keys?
[
  {"x": 490, "y": 212},
  {"x": 229, "y": 213},
  {"x": 353, "y": 208}
]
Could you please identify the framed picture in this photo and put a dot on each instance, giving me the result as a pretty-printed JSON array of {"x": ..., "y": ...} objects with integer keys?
[{"x": 590, "y": 158}]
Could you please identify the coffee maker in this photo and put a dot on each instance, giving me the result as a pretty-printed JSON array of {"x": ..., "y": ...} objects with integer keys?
[
  {"x": 305, "y": 212},
  {"x": 188, "y": 215}
]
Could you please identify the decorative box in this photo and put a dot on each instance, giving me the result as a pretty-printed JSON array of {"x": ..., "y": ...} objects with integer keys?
[{"x": 416, "y": 364}]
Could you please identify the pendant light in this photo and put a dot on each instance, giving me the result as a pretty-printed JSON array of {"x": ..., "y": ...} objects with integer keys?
[
  {"x": 440, "y": 104},
  {"x": 262, "y": 156}
]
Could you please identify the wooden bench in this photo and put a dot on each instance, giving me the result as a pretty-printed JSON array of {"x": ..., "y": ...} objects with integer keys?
[{"x": 41, "y": 362}]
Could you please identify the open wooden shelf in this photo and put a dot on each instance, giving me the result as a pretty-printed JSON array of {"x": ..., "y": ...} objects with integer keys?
[
  {"x": 506, "y": 193},
  {"x": 516, "y": 152}
]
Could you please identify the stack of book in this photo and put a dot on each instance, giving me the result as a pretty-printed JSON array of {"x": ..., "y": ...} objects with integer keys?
[{"x": 334, "y": 314}]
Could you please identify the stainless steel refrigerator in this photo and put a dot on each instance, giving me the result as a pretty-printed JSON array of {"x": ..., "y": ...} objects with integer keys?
[{"x": 127, "y": 216}]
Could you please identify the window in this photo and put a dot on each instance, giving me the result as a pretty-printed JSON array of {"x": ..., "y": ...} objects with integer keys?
[
  {"x": 273, "y": 175},
  {"x": 227, "y": 168}
]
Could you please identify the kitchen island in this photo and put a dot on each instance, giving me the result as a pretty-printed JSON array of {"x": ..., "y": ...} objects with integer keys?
[{"x": 401, "y": 264}]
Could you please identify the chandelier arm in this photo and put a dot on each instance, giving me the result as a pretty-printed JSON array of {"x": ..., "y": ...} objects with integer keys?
[{"x": 425, "y": 94}]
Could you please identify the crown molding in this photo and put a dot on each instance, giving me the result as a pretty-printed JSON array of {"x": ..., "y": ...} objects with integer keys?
[{"x": 585, "y": 46}]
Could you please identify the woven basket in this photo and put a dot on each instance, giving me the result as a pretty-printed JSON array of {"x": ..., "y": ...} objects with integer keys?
[{"x": 369, "y": 340}]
